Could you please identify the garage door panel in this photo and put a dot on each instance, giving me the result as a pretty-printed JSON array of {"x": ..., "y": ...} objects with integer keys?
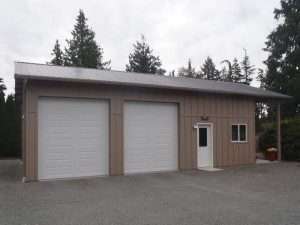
[
  {"x": 73, "y": 138},
  {"x": 59, "y": 168},
  {"x": 150, "y": 137}
]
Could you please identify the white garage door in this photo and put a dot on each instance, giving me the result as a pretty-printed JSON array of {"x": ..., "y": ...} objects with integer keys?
[
  {"x": 150, "y": 137},
  {"x": 72, "y": 138}
]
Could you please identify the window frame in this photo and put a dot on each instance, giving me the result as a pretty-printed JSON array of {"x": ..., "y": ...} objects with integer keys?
[{"x": 238, "y": 133}]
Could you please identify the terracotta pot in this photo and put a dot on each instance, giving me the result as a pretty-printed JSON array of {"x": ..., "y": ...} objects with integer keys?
[{"x": 271, "y": 155}]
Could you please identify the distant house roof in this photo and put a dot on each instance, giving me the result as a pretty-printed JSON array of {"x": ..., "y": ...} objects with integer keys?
[{"x": 77, "y": 74}]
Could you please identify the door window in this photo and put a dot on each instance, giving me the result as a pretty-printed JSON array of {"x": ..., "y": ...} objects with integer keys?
[{"x": 202, "y": 137}]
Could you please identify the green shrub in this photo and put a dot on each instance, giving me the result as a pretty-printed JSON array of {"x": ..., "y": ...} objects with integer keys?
[
  {"x": 10, "y": 129},
  {"x": 291, "y": 139},
  {"x": 290, "y": 131},
  {"x": 268, "y": 139}
]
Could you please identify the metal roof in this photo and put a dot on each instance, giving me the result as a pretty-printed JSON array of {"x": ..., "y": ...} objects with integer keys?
[{"x": 76, "y": 74}]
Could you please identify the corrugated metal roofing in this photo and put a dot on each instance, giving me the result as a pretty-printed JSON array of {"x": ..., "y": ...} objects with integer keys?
[{"x": 76, "y": 74}]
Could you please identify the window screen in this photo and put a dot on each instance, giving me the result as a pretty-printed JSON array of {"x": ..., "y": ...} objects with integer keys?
[{"x": 202, "y": 137}]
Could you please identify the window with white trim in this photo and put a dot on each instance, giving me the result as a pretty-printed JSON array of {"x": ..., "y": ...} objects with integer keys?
[{"x": 239, "y": 132}]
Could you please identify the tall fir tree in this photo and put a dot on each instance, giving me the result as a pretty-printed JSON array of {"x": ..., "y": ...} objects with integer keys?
[
  {"x": 2, "y": 118},
  {"x": 227, "y": 73},
  {"x": 247, "y": 69},
  {"x": 2, "y": 87},
  {"x": 12, "y": 129},
  {"x": 172, "y": 73},
  {"x": 209, "y": 70},
  {"x": 57, "y": 55},
  {"x": 261, "y": 107},
  {"x": 224, "y": 74},
  {"x": 142, "y": 60},
  {"x": 283, "y": 62},
  {"x": 188, "y": 71},
  {"x": 82, "y": 50},
  {"x": 261, "y": 78},
  {"x": 236, "y": 71},
  {"x": 2, "y": 98}
]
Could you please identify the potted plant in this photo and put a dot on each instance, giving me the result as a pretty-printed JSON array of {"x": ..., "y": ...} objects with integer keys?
[{"x": 272, "y": 154}]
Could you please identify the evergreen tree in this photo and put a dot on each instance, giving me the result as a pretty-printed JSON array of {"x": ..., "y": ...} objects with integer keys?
[
  {"x": 283, "y": 62},
  {"x": 2, "y": 88},
  {"x": 57, "y": 55},
  {"x": 2, "y": 117},
  {"x": 247, "y": 69},
  {"x": 261, "y": 78},
  {"x": 261, "y": 108},
  {"x": 172, "y": 73},
  {"x": 12, "y": 147},
  {"x": 10, "y": 128},
  {"x": 2, "y": 99},
  {"x": 227, "y": 73},
  {"x": 187, "y": 72},
  {"x": 209, "y": 71},
  {"x": 224, "y": 73},
  {"x": 82, "y": 50},
  {"x": 142, "y": 59},
  {"x": 236, "y": 71}
]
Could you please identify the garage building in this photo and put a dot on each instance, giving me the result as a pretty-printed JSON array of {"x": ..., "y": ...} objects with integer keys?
[{"x": 80, "y": 122}]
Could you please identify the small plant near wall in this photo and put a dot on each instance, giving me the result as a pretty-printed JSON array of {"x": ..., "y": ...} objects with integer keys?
[{"x": 272, "y": 154}]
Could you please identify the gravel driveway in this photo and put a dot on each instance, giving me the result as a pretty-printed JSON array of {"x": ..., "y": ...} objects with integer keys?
[{"x": 261, "y": 194}]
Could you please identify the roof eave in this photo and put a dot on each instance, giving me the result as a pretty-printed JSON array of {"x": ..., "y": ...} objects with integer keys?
[{"x": 63, "y": 79}]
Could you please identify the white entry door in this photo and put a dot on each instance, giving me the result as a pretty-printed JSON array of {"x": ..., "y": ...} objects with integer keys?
[
  {"x": 150, "y": 137},
  {"x": 73, "y": 138},
  {"x": 204, "y": 145}
]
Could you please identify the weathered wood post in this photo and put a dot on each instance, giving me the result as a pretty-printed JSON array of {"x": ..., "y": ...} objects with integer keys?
[{"x": 279, "y": 131}]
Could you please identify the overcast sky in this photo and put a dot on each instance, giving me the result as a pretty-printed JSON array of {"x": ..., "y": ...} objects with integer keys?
[{"x": 176, "y": 29}]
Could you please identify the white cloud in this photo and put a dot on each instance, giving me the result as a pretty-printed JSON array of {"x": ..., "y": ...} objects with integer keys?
[{"x": 176, "y": 29}]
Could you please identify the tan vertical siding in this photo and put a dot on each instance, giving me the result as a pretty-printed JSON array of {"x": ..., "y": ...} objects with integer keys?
[
  {"x": 23, "y": 115},
  {"x": 182, "y": 158},
  {"x": 221, "y": 110}
]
